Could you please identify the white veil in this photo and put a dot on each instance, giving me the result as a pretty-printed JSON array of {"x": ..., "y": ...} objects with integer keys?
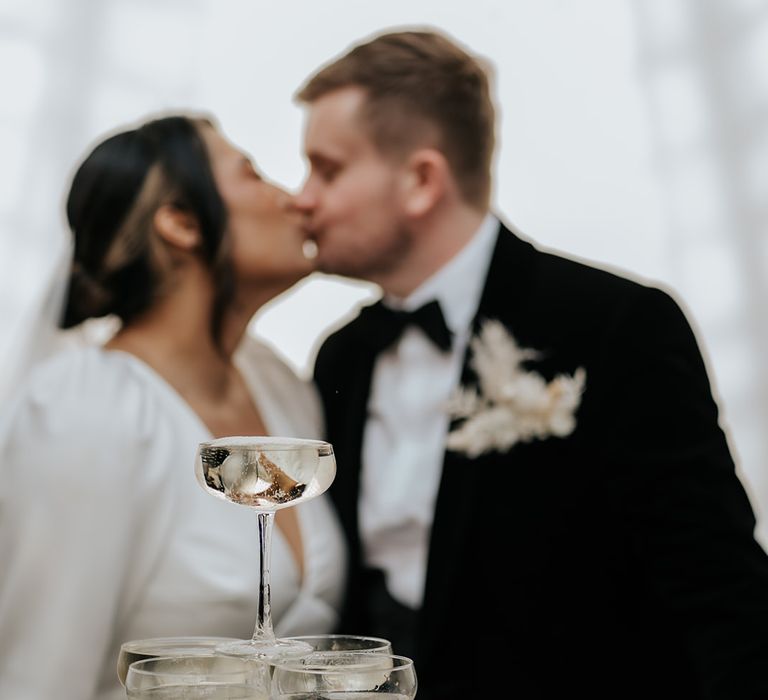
[{"x": 37, "y": 335}]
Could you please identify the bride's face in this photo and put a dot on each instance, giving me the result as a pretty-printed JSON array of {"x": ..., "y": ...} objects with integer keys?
[{"x": 265, "y": 231}]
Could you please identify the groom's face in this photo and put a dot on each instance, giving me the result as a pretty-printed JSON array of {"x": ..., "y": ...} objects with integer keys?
[{"x": 352, "y": 199}]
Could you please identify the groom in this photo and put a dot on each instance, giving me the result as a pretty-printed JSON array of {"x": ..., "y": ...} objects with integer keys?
[{"x": 572, "y": 522}]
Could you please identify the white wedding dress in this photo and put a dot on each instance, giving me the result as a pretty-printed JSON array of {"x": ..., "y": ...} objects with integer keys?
[{"x": 105, "y": 535}]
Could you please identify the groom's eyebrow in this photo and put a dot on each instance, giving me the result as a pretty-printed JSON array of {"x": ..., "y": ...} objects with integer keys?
[
  {"x": 317, "y": 157},
  {"x": 320, "y": 161}
]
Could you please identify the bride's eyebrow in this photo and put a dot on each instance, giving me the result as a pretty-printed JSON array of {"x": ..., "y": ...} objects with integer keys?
[{"x": 248, "y": 163}]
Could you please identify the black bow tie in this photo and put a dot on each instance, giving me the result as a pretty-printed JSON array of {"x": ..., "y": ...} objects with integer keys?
[{"x": 381, "y": 326}]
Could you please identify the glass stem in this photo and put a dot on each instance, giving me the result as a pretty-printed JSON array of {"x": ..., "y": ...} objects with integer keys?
[{"x": 263, "y": 631}]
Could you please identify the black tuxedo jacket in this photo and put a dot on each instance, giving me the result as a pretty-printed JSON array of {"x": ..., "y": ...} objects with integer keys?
[{"x": 618, "y": 562}]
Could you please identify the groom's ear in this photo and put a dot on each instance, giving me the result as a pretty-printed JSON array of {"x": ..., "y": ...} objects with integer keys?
[
  {"x": 177, "y": 227},
  {"x": 427, "y": 176}
]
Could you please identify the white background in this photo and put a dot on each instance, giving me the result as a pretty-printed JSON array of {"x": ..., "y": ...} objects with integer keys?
[{"x": 633, "y": 133}]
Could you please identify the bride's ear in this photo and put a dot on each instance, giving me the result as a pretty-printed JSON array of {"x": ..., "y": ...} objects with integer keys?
[{"x": 177, "y": 227}]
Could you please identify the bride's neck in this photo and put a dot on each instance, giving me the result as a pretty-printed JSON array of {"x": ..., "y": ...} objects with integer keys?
[{"x": 178, "y": 344}]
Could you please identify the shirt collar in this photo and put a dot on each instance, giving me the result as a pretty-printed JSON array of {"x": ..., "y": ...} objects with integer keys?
[{"x": 459, "y": 283}]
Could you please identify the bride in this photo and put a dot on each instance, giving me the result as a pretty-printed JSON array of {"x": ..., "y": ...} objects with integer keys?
[{"x": 105, "y": 536}]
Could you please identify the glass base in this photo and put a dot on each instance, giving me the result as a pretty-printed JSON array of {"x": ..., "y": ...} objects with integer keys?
[{"x": 265, "y": 649}]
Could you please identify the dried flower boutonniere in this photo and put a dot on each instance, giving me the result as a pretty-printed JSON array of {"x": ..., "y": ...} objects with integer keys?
[{"x": 510, "y": 405}]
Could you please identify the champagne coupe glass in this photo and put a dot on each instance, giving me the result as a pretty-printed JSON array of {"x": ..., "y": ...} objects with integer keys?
[
  {"x": 265, "y": 474},
  {"x": 366, "y": 675},
  {"x": 197, "y": 677},
  {"x": 346, "y": 643},
  {"x": 138, "y": 649}
]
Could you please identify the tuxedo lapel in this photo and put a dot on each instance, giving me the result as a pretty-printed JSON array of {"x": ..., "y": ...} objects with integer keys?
[
  {"x": 508, "y": 282},
  {"x": 343, "y": 372},
  {"x": 348, "y": 420},
  {"x": 466, "y": 483}
]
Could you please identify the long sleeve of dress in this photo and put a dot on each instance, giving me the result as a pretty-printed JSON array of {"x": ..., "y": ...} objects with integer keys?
[{"x": 83, "y": 510}]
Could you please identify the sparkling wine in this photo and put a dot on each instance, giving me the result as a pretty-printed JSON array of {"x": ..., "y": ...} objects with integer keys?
[
  {"x": 201, "y": 692},
  {"x": 138, "y": 649},
  {"x": 341, "y": 695},
  {"x": 274, "y": 475},
  {"x": 197, "y": 677}
]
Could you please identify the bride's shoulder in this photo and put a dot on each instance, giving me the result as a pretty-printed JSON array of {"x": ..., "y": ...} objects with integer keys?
[
  {"x": 84, "y": 390},
  {"x": 87, "y": 418},
  {"x": 82, "y": 372}
]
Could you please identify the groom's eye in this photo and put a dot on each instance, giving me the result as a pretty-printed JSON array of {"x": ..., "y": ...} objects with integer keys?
[
  {"x": 329, "y": 173},
  {"x": 326, "y": 169}
]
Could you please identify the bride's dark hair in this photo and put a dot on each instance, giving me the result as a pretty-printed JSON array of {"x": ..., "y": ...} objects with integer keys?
[{"x": 114, "y": 195}]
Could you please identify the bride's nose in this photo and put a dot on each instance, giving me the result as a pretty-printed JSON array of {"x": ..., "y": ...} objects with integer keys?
[
  {"x": 304, "y": 201},
  {"x": 287, "y": 202}
]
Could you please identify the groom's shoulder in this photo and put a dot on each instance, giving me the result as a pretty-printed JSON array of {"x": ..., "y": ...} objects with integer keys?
[
  {"x": 574, "y": 273},
  {"x": 556, "y": 272},
  {"x": 570, "y": 290}
]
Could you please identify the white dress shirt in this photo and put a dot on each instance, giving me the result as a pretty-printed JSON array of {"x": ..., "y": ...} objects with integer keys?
[{"x": 404, "y": 439}]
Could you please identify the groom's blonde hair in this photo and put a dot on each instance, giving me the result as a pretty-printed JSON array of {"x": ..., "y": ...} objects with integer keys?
[{"x": 420, "y": 87}]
